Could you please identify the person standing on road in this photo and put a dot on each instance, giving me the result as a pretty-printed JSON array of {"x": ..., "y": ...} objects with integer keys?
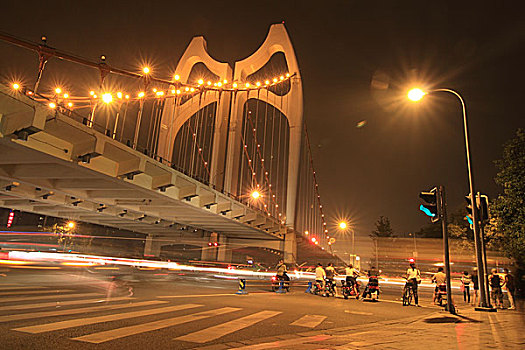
[
  {"x": 320, "y": 276},
  {"x": 509, "y": 285},
  {"x": 465, "y": 281},
  {"x": 496, "y": 295},
  {"x": 475, "y": 286},
  {"x": 414, "y": 277}
]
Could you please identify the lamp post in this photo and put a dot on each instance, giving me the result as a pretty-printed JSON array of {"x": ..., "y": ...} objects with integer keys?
[{"x": 416, "y": 95}]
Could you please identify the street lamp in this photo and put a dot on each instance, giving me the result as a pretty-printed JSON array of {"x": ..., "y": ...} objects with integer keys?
[
  {"x": 416, "y": 95},
  {"x": 255, "y": 194}
]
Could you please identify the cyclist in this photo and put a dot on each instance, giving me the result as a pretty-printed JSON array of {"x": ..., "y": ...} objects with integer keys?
[
  {"x": 439, "y": 278},
  {"x": 320, "y": 276},
  {"x": 351, "y": 278},
  {"x": 414, "y": 277}
]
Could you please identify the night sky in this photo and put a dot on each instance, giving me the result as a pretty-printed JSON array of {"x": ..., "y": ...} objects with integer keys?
[{"x": 357, "y": 59}]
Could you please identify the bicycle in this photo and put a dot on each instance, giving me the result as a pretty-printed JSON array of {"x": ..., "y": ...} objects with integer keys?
[{"x": 408, "y": 294}]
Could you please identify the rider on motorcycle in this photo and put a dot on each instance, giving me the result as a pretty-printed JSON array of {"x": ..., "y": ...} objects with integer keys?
[
  {"x": 373, "y": 282},
  {"x": 330, "y": 274},
  {"x": 414, "y": 277},
  {"x": 351, "y": 279},
  {"x": 440, "y": 279},
  {"x": 320, "y": 276}
]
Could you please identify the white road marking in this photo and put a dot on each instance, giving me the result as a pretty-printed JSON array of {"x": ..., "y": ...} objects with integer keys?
[
  {"x": 20, "y": 288},
  {"x": 35, "y": 291},
  {"x": 310, "y": 321},
  {"x": 359, "y": 313},
  {"x": 206, "y": 295},
  {"x": 54, "y": 326},
  {"x": 32, "y": 315},
  {"x": 289, "y": 342},
  {"x": 215, "y": 332},
  {"x": 40, "y": 297},
  {"x": 56, "y": 304},
  {"x": 100, "y": 337}
]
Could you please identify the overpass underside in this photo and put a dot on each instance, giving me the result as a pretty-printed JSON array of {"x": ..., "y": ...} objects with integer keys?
[{"x": 53, "y": 165}]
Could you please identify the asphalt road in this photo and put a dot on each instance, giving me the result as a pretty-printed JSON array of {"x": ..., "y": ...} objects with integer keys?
[{"x": 42, "y": 309}]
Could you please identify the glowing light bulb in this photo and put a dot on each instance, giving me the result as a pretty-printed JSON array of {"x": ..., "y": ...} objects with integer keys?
[
  {"x": 70, "y": 104},
  {"x": 119, "y": 94},
  {"x": 92, "y": 92},
  {"x": 178, "y": 92},
  {"x": 266, "y": 82},
  {"x": 247, "y": 85},
  {"x": 234, "y": 85},
  {"x": 219, "y": 84},
  {"x": 154, "y": 89},
  {"x": 176, "y": 77},
  {"x": 209, "y": 82},
  {"x": 200, "y": 82},
  {"x": 416, "y": 94},
  {"x": 258, "y": 83},
  {"x": 281, "y": 77},
  {"x": 66, "y": 95},
  {"x": 107, "y": 97},
  {"x": 52, "y": 105},
  {"x": 127, "y": 97},
  {"x": 275, "y": 80},
  {"x": 225, "y": 81},
  {"x": 287, "y": 75},
  {"x": 141, "y": 94},
  {"x": 342, "y": 225},
  {"x": 70, "y": 225},
  {"x": 255, "y": 194},
  {"x": 58, "y": 90},
  {"x": 173, "y": 91},
  {"x": 146, "y": 70},
  {"x": 16, "y": 86}
]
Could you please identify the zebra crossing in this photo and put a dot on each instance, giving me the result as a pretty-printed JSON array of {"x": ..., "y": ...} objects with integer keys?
[{"x": 22, "y": 312}]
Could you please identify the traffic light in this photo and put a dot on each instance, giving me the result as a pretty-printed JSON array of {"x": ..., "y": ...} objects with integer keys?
[
  {"x": 10, "y": 218},
  {"x": 431, "y": 206},
  {"x": 483, "y": 207},
  {"x": 469, "y": 210}
]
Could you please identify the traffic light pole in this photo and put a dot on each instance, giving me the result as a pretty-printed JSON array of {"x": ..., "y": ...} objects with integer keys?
[
  {"x": 475, "y": 215},
  {"x": 443, "y": 206}
]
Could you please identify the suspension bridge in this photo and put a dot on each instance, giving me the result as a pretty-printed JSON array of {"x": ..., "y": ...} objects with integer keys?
[{"x": 216, "y": 156}]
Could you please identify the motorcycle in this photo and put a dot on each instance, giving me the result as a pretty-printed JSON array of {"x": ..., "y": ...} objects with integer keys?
[
  {"x": 277, "y": 280},
  {"x": 330, "y": 288},
  {"x": 348, "y": 289},
  {"x": 441, "y": 294},
  {"x": 317, "y": 288},
  {"x": 372, "y": 289}
]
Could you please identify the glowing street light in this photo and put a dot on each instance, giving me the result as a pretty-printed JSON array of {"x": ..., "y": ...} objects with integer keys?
[
  {"x": 107, "y": 98},
  {"x": 58, "y": 90},
  {"x": 70, "y": 225},
  {"x": 416, "y": 94},
  {"x": 146, "y": 70},
  {"x": 256, "y": 194},
  {"x": 16, "y": 86},
  {"x": 343, "y": 225}
]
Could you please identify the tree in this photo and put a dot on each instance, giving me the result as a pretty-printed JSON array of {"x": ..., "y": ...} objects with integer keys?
[
  {"x": 509, "y": 207},
  {"x": 383, "y": 228}
]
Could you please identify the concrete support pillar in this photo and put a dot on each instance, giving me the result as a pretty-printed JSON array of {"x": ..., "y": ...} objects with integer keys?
[
  {"x": 208, "y": 253},
  {"x": 224, "y": 252},
  {"x": 152, "y": 247},
  {"x": 218, "y": 161},
  {"x": 290, "y": 247}
]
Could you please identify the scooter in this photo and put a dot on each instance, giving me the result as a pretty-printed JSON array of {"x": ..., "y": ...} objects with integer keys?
[
  {"x": 317, "y": 288},
  {"x": 442, "y": 294},
  {"x": 276, "y": 282},
  {"x": 348, "y": 289},
  {"x": 330, "y": 288},
  {"x": 371, "y": 292}
]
